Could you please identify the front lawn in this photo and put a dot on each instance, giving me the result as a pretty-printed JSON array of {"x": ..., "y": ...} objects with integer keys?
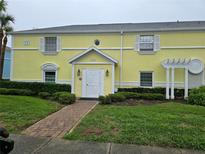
[
  {"x": 167, "y": 124},
  {"x": 19, "y": 112}
]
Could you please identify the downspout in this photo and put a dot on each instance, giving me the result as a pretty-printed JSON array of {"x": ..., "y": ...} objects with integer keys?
[{"x": 121, "y": 56}]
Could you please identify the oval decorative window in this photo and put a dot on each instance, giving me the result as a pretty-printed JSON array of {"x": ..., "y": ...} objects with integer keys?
[{"x": 97, "y": 42}]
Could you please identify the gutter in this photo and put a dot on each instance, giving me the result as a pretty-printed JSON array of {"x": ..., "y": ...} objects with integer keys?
[{"x": 121, "y": 56}]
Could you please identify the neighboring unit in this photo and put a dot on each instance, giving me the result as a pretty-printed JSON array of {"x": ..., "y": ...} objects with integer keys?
[
  {"x": 7, "y": 64},
  {"x": 98, "y": 59}
]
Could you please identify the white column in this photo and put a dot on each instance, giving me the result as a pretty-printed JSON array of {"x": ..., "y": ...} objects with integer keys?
[
  {"x": 73, "y": 79},
  {"x": 113, "y": 78},
  {"x": 186, "y": 83},
  {"x": 167, "y": 83},
  {"x": 172, "y": 84}
]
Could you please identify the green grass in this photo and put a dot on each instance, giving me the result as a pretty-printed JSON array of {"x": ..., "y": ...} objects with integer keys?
[
  {"x": 167, "y": 124},
  {"x": 19, "y": 112}
]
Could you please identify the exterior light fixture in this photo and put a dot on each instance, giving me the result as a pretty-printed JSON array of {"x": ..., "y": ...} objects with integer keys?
[
  {"x": 78, "y": 73},
  {"x": 107, "y": 73}
]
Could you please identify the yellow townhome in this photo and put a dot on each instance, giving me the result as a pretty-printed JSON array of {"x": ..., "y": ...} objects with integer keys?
[{"x": 98, "y": 59}]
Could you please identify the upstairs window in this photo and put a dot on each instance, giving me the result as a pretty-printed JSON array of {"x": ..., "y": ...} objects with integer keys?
[
  {"x": 146, "y": 43},
  {"x": 50, "y": 44},
  {"x": 146, "y": 79},
  {"x": 50, "y": 77}
]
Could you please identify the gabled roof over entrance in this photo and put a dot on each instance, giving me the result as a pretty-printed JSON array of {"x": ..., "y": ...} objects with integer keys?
[{"x": 91, "y": 50}]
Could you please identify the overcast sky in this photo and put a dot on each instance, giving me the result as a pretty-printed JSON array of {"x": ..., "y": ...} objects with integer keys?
[{"x": 31, "y": 14}]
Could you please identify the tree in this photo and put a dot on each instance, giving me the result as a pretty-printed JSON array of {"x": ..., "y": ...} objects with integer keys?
[{"x": 5, "y": 21}]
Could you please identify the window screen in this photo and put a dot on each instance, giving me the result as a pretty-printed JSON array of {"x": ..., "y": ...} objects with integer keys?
[{"x": 146, "y": 79}]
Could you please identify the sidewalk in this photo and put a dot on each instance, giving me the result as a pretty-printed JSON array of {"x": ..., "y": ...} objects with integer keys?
[
  {"x": 57, "y": 124},
  {"x": 31, "y": 145}
]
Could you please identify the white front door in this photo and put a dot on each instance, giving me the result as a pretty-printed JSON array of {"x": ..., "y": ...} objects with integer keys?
[{"x": 93, "y": 83}]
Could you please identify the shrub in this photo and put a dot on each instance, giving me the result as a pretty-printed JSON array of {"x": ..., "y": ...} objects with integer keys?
[
  {"x": 197, "y": 99},
  {"x": 146, "y": 96},
  {"x": 107, "y": 100},
  {"x": 197, "y": 90},
  {"x": 44, "y": 95},
  {"x": 157, "y": 90},
  {"x": 130, "y": 95},
  {"x": 64, "y": 97},
  {"x": 23, "y": 92},
  {"x": 101, "y": 99},
  {"x": 36, "y": 86},
  {"x": 117, "y": 97},
  {"x": 149, "y": 96}
]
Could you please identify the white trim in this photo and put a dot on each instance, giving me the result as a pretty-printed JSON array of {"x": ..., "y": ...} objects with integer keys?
[
  {"x": 106, "y": 48},
  {"x": 156, "y": 83},
  {"x": 124, "y": 48},
  {"x": 167, "y": 83},
  {"x": 24, "y": 80},
  {"x": 44, "y": 74},
  {"x": 73, "y": 79},
  {"x": 93, "y": 63},
  {"x": 49, "y": 67},
  {"x": 186, "y": 83},
  {"x": 25, "y": 49},
  {"x": 129, "y": 83},
  {"x": 89, "y": 50},
  {"x": 113, "y": 78},
  {"x": 12, "y": 58},
  {"x": 183, "y": 47},
  {"x": 163, "y": 84},
  {"x": 172, "y": 83},
  {"x": 152, "y": 79},
  {"x": 37, "y": 80}
]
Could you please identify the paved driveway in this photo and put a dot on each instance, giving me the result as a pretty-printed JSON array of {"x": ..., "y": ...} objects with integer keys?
[{"x": 57, "y": 124}]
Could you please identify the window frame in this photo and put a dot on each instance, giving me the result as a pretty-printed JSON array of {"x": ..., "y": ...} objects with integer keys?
[
  {"x": 50, "y": 51},
  {"x": 45, "y": 71},
  {"x": 152, "y": 72},
  {"x": 49, "y": 67},
  {"x": 141, "y": 42}
]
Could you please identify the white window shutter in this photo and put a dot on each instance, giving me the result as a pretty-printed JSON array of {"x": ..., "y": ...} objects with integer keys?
[
  {"x": 58, "y": 43},
  {"x": 138, "y": 43},
  {"x": 156, "y": 42},
  {"x": 42, "y": 44}
]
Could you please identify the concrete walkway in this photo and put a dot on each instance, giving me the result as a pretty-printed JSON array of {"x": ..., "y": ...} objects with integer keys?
[
  {"x": 57, "y": 124},
  {"x": 32, "y": 145}
]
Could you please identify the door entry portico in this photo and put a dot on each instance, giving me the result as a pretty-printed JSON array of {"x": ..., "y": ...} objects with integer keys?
[{"x": 92, "y": 83}]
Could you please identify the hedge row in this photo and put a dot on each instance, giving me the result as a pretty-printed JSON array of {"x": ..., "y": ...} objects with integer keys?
[
  {"x": 61, "y": 97},
  {"x": 197, "y": 96},
  {"x": 36, "y": 87},
  {"x": 22, "y": 92},
  {"x": 157, "y": 90},
  {"x": 122, "y": 96}
]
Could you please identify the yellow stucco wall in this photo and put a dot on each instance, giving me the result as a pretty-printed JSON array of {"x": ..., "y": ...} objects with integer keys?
[{"x": 27, "y": 63}]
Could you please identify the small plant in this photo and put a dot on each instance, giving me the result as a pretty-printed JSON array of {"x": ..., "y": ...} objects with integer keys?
[
  {"x": 117, "y": 97},
  {"x": 197, "y": 99},
  {"x": 64, "y": 97},
  {"x": 44, "y": 95},
  {"x": 101, "y": 99}
]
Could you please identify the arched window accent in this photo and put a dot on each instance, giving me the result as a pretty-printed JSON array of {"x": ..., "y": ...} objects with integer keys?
[{"x": 49, "y": 71}]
